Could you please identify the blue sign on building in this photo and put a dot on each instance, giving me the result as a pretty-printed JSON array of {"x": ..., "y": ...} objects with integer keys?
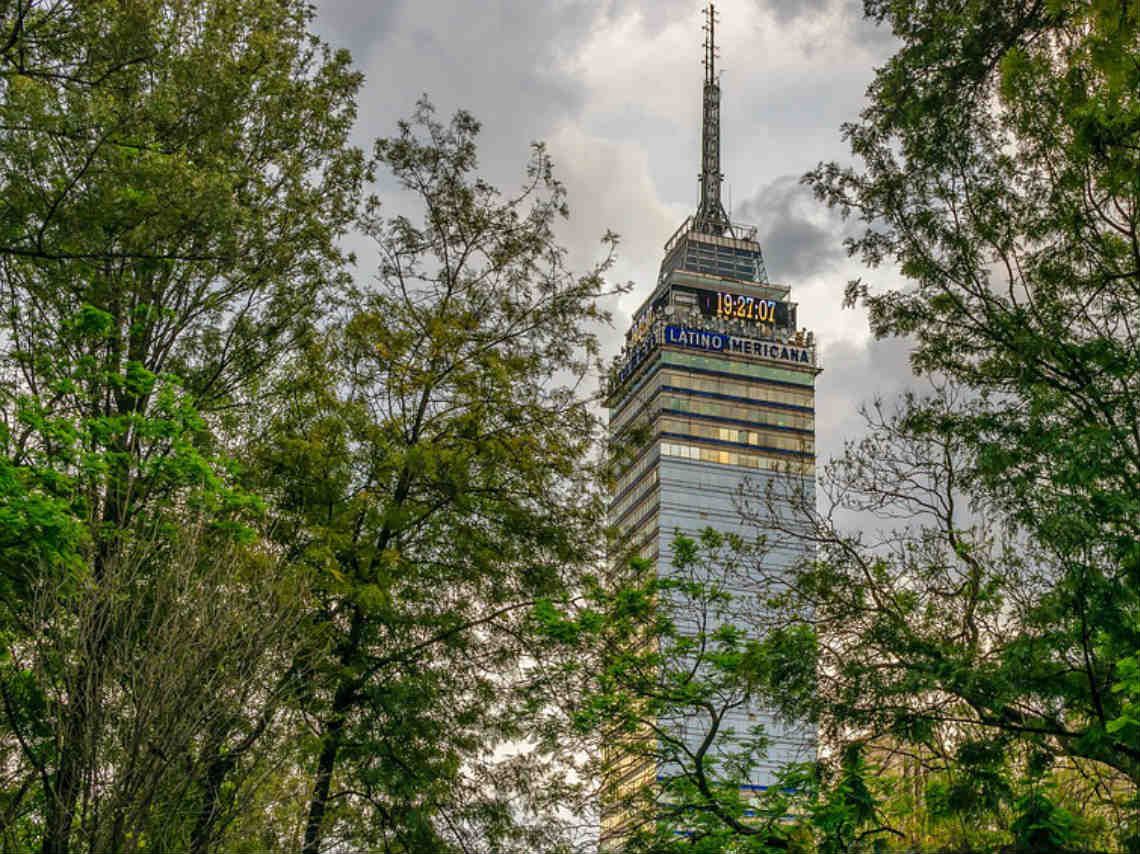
[{"x": 719, "y": 342}]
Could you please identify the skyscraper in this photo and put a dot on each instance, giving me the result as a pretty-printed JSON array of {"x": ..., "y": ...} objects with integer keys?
[{"x": 720, "y": 379}]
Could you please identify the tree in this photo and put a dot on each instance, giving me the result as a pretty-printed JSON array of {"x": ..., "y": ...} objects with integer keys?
[
  {"x": 198, "y": 625},
  {"x": 175, "y": 177},
  {"x": 661, "y": 663},
  {"x": 931, "y": 624},
  {"x": 429, "y": 460},
  {"x": 680, "y": 652},
  {"x": 1001, "y": 171}
]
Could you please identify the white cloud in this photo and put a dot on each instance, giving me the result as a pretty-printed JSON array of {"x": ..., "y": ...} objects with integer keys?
[{"x": 610, "y": 186}]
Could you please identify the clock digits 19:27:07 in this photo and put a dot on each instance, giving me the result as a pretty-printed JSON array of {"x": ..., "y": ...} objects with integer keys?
[{"x": 745, "y": 307}]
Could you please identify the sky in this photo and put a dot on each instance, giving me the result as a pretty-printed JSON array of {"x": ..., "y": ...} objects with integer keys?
[{"x": 613, "y": 87}]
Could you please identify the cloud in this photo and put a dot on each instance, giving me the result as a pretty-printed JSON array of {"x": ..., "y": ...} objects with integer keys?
[
  {"x": 801, "y": 237},
  {"x": 503, "y": 62},
  {"x": 844, "y": 18},
  {"x": 788, "y": 10},
  {"x": 346, "y": 24},
  {"x": 854, "y": 374},
  {"x": 605, "y": 180}
]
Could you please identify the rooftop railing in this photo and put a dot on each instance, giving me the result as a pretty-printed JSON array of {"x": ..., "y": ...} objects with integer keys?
[{"x": 740, "y": 231}]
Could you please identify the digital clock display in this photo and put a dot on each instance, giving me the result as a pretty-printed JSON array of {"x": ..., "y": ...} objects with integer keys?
[{"x": 730, "y": 306}]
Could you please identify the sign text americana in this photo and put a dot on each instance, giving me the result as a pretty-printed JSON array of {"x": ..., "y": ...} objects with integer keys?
[{"x": 718, "y": 342}]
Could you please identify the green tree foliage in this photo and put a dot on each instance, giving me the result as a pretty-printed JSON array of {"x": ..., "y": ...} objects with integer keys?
[
  {"x": 429, "y": 463},
  {"x": 327, "y": 644},
  {"x": 112, "y": 631},
  {"x": 1002, "y": 175},
  {"x": 183, "y": 168},
  {"x": 1001, "y": 171},
  {"x": 661, "y": 665},
  {"x": 942, "y": 643},
  {"x": 681, "y": 650},
  {"x": 175, "y": 176}
]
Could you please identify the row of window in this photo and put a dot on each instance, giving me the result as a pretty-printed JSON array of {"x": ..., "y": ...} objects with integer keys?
[
  {"x": 632, "y": 474},
  {"x": 740, "y": 388},
  {"x": 641, "y": 413},
  {"x": 644, "y": 530},
  {"x": 698, "y": 406},
  {"x": 735, "y": 458},
  {"x": 638, "y": 495},
  {"x": 645, "y": 466},
  {"x": 718, "y": 409},
  {"x": 758, "y": 370},
  {"x": 721, "y": 260},
  {"x": 634, "y": 404},
  {"x": 759, "y": 438},
  {"x": 640, "y": 480},
  {"x": 721, "y": 269}
]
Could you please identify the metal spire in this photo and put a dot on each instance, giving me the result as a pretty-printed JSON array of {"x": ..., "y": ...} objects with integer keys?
[{"x": 710, "y": 217}]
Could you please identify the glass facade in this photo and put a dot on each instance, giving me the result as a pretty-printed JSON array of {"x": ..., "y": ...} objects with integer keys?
[
  {"x": 721, "y": 404},
  {"x": 698, "y": 424},
  {"x": 715, "y": 255}
]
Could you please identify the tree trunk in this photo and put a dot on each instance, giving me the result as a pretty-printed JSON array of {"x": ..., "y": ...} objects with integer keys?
[
  {"x": 86, "y": 692},
  {"x": 202, "y": 836},
  {"x": 62, "y": 794},
  {"x": 334, "y": 729},
  {"x": 314, "y": 830}
]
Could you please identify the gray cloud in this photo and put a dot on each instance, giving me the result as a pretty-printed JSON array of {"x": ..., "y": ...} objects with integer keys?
[
  {"x": 502, "y": 62},
  {"x": 800, "y": 236},
  {"x": 875, "y": 38},
  {"x": 856, "y": 374},
  {"x": 346, "y": 24},
  {"x": 658, "y": 14},
  {"x": 847, "y": 17},
  {"x": 788, "y": 10}
]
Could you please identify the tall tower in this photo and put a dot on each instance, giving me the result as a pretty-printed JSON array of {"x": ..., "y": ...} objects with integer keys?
[{"x": 720, "y": 381}]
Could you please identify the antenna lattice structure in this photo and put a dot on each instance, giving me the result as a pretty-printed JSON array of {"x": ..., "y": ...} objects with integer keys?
[{"x": 711, "y": 217}]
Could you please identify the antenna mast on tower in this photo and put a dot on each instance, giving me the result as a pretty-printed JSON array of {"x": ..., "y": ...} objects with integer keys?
[{"x": 711, "y": 217}]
